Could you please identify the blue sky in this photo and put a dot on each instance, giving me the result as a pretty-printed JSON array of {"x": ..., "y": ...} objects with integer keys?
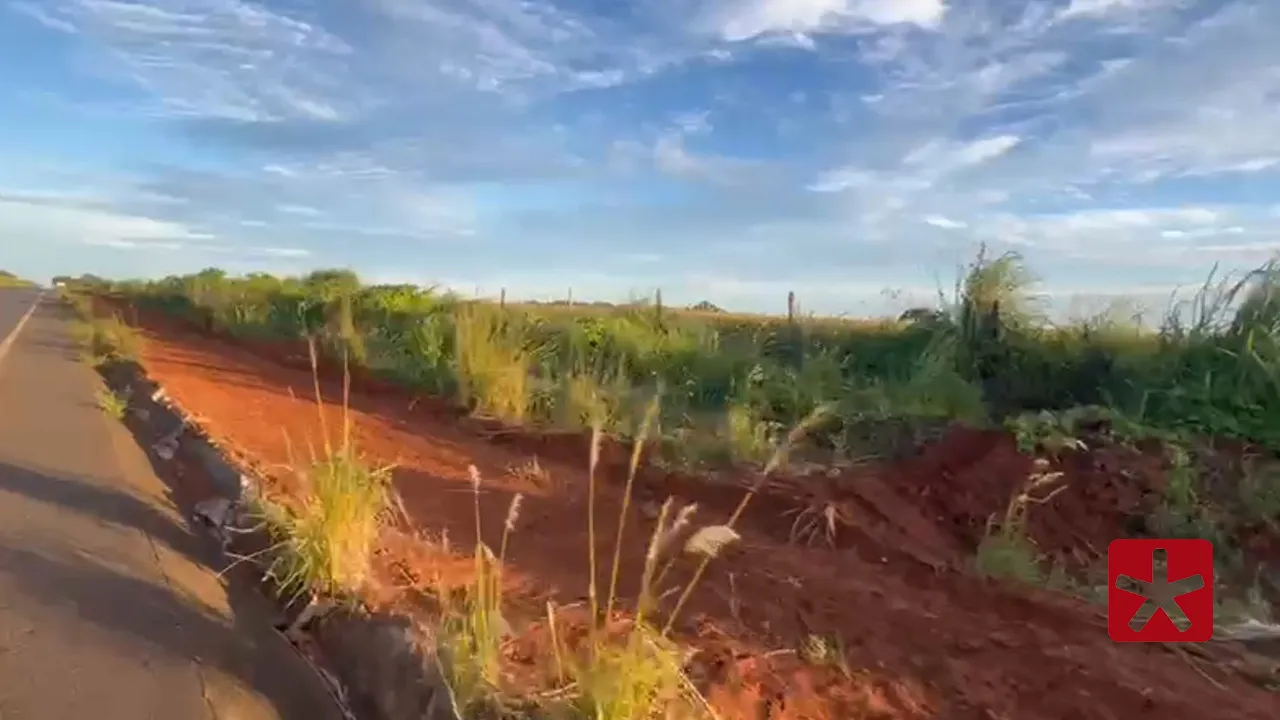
[{"x": 728, "y": 150}]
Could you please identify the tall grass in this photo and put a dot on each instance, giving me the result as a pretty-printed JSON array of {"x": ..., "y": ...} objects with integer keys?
[
  {"x": 732, "y": 383},
  {"x": 102, "y": 338},
  {"x": 325, "y": 542},
  {"x": 628, "y": 667}
]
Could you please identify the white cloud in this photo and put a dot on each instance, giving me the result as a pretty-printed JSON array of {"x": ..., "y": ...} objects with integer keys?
[
  {"x": 945, "y": 223},
  {"x": 229, "y": 59},
  {"x": 523, "y": 49},
  {"x": 1200, "y": 104},
  {"x": 35, "y": 12},
  {"x": 281, "y": 252},
  {"x": 304, "y": 210},
  {"x": 71, "y": 222},
  {"x": 1202, "y": 233},
  {"x": 121, "y": 244},
  {"x": 941, "y": 157},
  {"x": 1103, "y": 8},
  {"x": 746, "y": 20}
]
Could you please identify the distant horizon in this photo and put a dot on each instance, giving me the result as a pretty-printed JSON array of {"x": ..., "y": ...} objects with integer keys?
[{"x": 1059, "y": 306}]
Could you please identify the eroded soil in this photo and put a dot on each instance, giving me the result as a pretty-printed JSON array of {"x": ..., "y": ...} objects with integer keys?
[{"x": 921, "y": 636}]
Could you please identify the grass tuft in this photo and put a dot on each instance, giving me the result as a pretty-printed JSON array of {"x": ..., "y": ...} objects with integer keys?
[
  {"x": 325, "y": 542},
  {"x": 111, "y": 402},
  {"x": 1006, "y": 552}
]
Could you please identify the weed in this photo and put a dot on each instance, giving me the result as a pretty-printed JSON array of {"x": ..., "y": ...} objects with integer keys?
[
  {"x": 1006, "y": 552},
  {"x": 111, "y": 402},
  {"x": 493, "y": 367},
  {"x": 825, "y": 651},
  {"x": 106, "y": 339},
  {"x": 632, "y": 677},
  {"x": 1045, "y": 431},
  {"x": 1260, "y": 491},
  {"x": 324, "y": 545},
  {"x": 473, "y": 629}
]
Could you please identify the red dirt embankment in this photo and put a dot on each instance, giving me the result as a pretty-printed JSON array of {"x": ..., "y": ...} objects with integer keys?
[{"x": 921, "y": 637}]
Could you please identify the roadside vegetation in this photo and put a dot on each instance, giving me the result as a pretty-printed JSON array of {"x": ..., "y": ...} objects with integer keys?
[
  {"x": 732, "y": 385},
  {"x": 9, "y": 280},
  {"x": 709, "y": 387},
  {"x": 102, "y": 338},
  {"x": 113, "y": 403}
]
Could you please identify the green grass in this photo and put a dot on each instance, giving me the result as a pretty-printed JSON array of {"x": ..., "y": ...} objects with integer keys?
[
  {"x": 102, "y": 339},
  {"x": 325, "y": 542},
  {"x": 9, "y": 280},
  {"x": 111, "y": 402},
  {"x": 731, "y": 383}
]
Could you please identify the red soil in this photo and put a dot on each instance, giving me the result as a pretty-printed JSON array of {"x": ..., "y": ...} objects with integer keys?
[
  {"x": 972, "y": 474},
  {"x": 921, "y": 636}
]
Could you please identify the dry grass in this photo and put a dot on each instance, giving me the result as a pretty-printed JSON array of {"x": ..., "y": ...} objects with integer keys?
[
  {"x": 629, "y": 667},
  {"x": 102, "y": 339},
  {"x": 1006, "y": 551},
  {"x": 325, "y": 542}
]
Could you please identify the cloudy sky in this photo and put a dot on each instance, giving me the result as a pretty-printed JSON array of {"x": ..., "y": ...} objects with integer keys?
[{"x": 728, "y": 150}]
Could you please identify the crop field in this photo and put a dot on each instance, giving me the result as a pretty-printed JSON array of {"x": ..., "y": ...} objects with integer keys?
[{"x": 626, "y": 511}]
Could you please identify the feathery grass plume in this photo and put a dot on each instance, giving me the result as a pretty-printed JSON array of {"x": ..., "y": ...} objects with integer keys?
[
  {"x": 650, "y": 417},
  {"x": 667, "y": 539},
  {"x": 473, "y": 632},
  {"x": 642, "y": 675},
  {"x": 597, "y": 437},
  {"x": 711, "y": 540},
  {"x": 779, "y": 459}
]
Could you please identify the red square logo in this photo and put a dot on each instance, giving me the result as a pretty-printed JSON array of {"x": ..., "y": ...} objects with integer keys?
[{"x": 1160, "y": 590}]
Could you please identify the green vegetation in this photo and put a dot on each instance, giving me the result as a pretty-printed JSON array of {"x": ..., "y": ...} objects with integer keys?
[
  {"x": 712, "y": 386},
  {"x": 9, "y": 280},
  {"x": 731, "y": 384},
  {"x": 111, "y": 402},
  {"x": 102, "y": 339},
  {"x": 324, "y": 544}
]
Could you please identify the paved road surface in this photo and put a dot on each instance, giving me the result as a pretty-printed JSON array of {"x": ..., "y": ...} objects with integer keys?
[{"x": 107, "y": 607}]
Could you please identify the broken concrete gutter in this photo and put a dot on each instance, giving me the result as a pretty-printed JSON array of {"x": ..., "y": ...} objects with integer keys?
[{"x": 379, "y": 666}]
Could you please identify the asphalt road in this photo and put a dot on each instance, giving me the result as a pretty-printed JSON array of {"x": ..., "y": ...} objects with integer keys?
[
  {"x": 14, "y": 303},
  {"x": 108, "y": 606}
]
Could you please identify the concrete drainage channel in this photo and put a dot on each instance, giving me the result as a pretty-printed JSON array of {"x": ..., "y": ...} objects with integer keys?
[{"x": 378, "y": 666}]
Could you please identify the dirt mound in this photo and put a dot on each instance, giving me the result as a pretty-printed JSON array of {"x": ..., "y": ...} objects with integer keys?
[
  {"x": 904, "y": 632},
  {"x": 969, "y": 477}
]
